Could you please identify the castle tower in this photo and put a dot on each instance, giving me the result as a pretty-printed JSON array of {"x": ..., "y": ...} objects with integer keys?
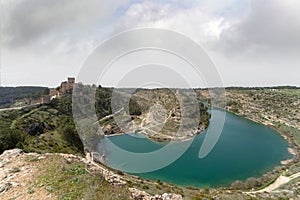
[{"x": 71, "y": 80}]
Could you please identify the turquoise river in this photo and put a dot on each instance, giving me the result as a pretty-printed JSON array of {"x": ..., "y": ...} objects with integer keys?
[{"x": 244, "y": 149}]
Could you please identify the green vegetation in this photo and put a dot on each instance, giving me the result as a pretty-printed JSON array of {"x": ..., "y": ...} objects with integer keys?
[
  {"x": 165, "y": 106},
  {"x": 234, "y": 106},
  {"x": 204, "y": 115},
  {"x": 134, "y": 108},
  {"x": 103, "y": 102},
  {"x": 50, "y": 128},
  {"x": 9, "y": 95},
  {"x": 290, "y": 131},
  {"x": 10, "y": 139},
  {"x": 68, "y": 133},
  {"x": 47, "y": 128},
  {"x": 22, "y": 92},
  {"x": 103, "y": 99},
  {"x": 72, "y": 181},
  {"x": 266, "y": 105}
]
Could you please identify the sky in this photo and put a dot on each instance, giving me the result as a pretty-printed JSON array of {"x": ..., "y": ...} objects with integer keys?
[{"x": 251, "y": 42}]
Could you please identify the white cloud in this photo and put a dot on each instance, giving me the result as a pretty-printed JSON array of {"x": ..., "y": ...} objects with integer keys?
[
  {"x": 29, "y": 21},
  {"x": 194, "y": 22},
  {"x": 262, "y": 48},
  {"x": 248, "y": 37},
  {"x": 50, "y": 36},
  {"x": 272, "y": 26}
]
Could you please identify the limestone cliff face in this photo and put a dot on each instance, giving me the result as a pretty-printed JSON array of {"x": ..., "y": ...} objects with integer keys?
[{"x": 164, "y": 114}]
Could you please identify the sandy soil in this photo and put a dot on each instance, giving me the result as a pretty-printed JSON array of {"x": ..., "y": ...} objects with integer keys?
[{"x": 18, "y": 174}]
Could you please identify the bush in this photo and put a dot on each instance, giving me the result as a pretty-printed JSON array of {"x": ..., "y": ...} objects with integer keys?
[
  {"x": 35, "y": 129},
  {"x": 145, "y": 187},
  {"x": 10, "y": 139},
  {"x": 238, "y": 185},
  {"x": 68, "y": 133},
  {"x": 134, "y": 108},
  {"x": 253, "y": 182}
]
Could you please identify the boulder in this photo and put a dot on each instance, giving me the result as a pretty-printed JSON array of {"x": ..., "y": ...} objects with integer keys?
[
  {"x": 36, "y": 128},
  {"x": 4, "y": 187}
]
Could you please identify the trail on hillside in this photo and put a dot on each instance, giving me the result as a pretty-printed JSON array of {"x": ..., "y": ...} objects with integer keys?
[{"x": 281, "y": 180}]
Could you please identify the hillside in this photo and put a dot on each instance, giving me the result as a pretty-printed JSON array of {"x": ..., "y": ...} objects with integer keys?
[
  {"x": 276, "y": 107},
  {"x": 46, "y": 131},
  {"x": 25, "y": 176},
  {"x": 157, "y": 113},
  {"x": 11, "y": 95},
  {"x": 53, "y": 176}
]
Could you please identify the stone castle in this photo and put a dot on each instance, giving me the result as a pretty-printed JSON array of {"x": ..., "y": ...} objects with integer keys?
[
  {"x": 64, "y": 88},
  {"x": 67, "y": 85}
]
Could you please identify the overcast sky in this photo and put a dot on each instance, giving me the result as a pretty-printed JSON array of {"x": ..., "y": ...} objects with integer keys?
[{"x": 252, "y": 42}]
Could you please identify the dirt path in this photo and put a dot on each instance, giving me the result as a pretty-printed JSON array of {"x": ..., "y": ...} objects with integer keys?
[
  {"x": 13, "y": 124},
  {"x": 281, "y": 180},
  {"x": 109, "y": 116},
  {"x": 18, "y": 108},
  {"x": 15, "y": 108}
]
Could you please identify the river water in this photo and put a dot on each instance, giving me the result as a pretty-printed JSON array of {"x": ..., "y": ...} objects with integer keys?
[{"x": 244, "y": 149}]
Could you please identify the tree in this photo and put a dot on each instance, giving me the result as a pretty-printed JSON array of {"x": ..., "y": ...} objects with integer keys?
[
  {"x": 253, "y": 182},
  {"x": 65, "y": 105},
  {"x": 46, "y": 91},
  {"x": 134, "y": 108},
  {"x": 10, "y": 139},
  {"x": 69, "y": 134},
  {"x": 238, "y": 185}
]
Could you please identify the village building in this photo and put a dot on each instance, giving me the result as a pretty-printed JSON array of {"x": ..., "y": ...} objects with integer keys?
[{"x": 65, "y": 87}]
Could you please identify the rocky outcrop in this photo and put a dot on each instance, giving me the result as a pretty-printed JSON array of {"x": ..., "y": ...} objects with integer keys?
[
  {"x": 10, "y": 170},
  {"x": 17, "y": 172},
  {"x": 7, "y": 174},
  {"x": 108, "y": 175},
  {"x": 142, "y": 195},
  {"x": 36, "y": 128}
]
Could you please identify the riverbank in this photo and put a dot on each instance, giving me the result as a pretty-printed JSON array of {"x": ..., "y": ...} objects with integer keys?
[
  {"x": 267, "y": 176},
  {"x": 66, "y": 176},
  {"x": 294, "y": 149},
  {"x": 281, "y": 180},
  {"x": 288, "y": 164},
  {"x": 161, "y": 138}
]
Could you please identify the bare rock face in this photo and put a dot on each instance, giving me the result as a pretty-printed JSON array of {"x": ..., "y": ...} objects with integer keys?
[
  {"x": 139, "y": 195},
  {"x": 8, "y": 154},
  {"x": 142, "y": 195},
  {"x": 35, "y": 128},
  {"x": 11, "y": 152},
  {"x": 6, "y": 174},
  {"x": 5, "y": 186},
  {"x": 16, "y": 174},
  {"x": 171, "y": 196}
]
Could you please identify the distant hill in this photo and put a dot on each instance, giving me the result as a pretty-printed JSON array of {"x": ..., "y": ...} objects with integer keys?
[{"x": 8, "y": 94}]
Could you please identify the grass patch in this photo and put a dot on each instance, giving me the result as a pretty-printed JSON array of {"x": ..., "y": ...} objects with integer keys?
[
  {"x": 15, "y": 170},
  {"x": 30, "y": 190},
  {"x": 71, "y": 181}
]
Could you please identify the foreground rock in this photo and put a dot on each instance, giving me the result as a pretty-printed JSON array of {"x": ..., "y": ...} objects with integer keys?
[
  {"x": 20, "y": 171},
  {"x": 142, "y": 195}
]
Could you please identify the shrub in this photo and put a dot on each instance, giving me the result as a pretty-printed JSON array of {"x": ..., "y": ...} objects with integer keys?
[
  {"x": 238, "y": 185},
  {"x": 9, "y": 139}
]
